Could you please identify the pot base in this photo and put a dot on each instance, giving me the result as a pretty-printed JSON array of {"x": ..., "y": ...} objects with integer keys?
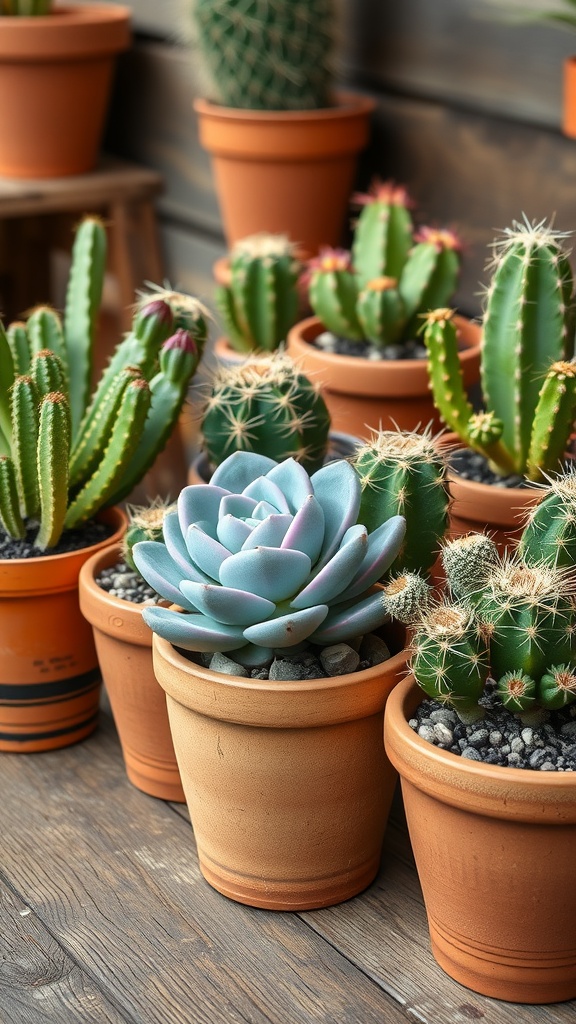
[{"x": 157, "y": 779}]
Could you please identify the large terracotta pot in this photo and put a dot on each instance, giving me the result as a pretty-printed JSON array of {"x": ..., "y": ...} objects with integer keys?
[
  {"x": 286, "y": 172},
  {"x": 494, "y": 849},
  {"x": 364, "y": 393},
  {"x": 55, "y": 80},
  {"x": 569, "y": 106},
  {"x": 287, "y": 783},
  {"x": 124, "y": 647},
  {"x": 49, "y": 678}
]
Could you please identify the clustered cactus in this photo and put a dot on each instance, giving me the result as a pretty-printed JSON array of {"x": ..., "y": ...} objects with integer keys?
[
  {"x": 528, "y": 370},
  {"x": 64, "y": 455},
  {"x": 265, "y": 557},
  {"x": 404, "y": 473},
  {"x": 265, "y": 405},
  {"x": 271, "y": 55},
  {"x": 25, "y": 8},
  {"x": 393, "y": 275},
  {"x": 509, "y": 617},
  {"x": 260, "y": 304}
]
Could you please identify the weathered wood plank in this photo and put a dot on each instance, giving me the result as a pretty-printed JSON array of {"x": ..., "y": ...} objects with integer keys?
[
  {"x": 113, "y": 874},
  {"x": 38, "y": 980}
]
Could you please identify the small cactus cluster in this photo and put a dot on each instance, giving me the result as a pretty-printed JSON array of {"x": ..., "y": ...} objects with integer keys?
[
  {"x": 260, "y": 304},
  {"x": 404, "y": 473},
  {"x": 394, "y": 274},
  {"x": 266, "y": 557},
  {"x": 509, "y": 617},
  {"x": 145, "y": 522},
  {"x": 527, "y": 365},
  {"x": 63, "y": 453},
  {"x": 25, "y": 8},
  {"x": 269, "y": 55},
  {"x": 266, "y": 405}
]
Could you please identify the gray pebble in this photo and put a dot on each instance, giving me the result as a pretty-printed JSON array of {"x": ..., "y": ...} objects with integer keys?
[
  {"x": 444, "y": 715},
  {"x": 479, "y": 738},
  {"x": 444, "y": 736},
  {"x": 373, "y": 649},
  {"x": 527, "y": 737},
  {"x": 471, "y": 754},
  {"x": 517, "y": 745},
  {"x": 495, "y": 738},
  {"x": 220, "y": 663},
  {"x": 339, "y": 660},
  {"x": 284, "y": 670},
  {"x": 427, "y": 733}
]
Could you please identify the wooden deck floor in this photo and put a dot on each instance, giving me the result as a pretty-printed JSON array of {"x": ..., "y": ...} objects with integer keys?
[{"x": 106, "y": 918}]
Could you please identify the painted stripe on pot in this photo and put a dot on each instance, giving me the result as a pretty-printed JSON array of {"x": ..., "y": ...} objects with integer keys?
[
  {"x": 13, "y": 737},
  {"x": 35, "y": 693}
]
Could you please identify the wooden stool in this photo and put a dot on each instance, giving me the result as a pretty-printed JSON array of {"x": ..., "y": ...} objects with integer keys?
[{"x": 37, "y": 216}]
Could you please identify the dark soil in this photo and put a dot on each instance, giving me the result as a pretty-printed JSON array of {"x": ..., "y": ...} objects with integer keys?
[{"x": 84, "y": 536}]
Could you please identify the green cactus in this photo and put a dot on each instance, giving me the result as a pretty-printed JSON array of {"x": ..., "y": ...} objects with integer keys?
[
  {"x": 404, "y": 473},
  {"x": 408, "y": 598},
  {"x": 468, "y": 561},
  {"x": 267, "y": 406},
  {"x": 83, "y": 298},
  {"x": 50, "y": 479},
  {"x": 393, "y": 276},
  {"x": 528, "y": 334},
  {"x": 145, "y": 522},
  {"x": 275, "y": 55},
  {"x": 550, "y": 533},
  {"x": 260, "y": 304},
  {"x": 25, "y": 8}
]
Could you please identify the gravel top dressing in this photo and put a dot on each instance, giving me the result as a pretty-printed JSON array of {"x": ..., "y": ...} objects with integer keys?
[
  {"x": 121, "y": 581},
  {"x": 339, "y": 346},
  {"x": 71, "y": 540},
  {"x": 470, "y": 465},
  {"x": 501, "y": 738}
]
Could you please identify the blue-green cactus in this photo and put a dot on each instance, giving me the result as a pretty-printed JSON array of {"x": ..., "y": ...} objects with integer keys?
[{"x": 268, "y": 556}]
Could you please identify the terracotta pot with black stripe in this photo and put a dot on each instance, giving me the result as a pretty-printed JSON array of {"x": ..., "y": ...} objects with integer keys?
[{"x": 49, "y": 676}]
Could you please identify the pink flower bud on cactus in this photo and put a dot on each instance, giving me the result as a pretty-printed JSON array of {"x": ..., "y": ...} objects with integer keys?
[
  {"x": 383, "y": 192},
  {"x": 441, "y": 238}
]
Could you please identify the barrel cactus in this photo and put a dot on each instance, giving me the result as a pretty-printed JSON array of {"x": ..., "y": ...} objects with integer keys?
[
  {"x": 393, "y": 275},
  {"x": 63, "y": 454},
  {"x": 265, "y": 557},
  {"x": 550, "y": 532},
  {"x": 404, "y": 473},
  {"x": 265, "y": 405},
  {"x": 528, "y": 371},
  {"x": 260, "y": 304},
  {"x": 275, "y": 56}
]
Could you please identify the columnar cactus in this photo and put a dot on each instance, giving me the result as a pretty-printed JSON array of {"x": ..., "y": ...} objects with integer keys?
[
  {"x": 528, "y": 375},
  {"x": 267, "y": 406},
  {"x": 55, "y": 474},
  {"x": 266, "y": 556},
  {"x": 404, "y": 473},
  {"x": 394, "y": 274},
  {"x": 260, "y": 304},
  {"x": 276, "y": 56}
]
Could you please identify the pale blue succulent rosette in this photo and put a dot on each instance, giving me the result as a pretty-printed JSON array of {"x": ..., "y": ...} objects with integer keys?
[{"x": 265, "y": 557}]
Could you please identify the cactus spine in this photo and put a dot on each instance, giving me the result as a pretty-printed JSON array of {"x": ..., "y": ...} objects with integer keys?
[
  {"x": 450, "y": 659},
  {"x": 528, "y": 333},
  {"x": 274, "y": 56},
  {"x": 550, "y": 534},
  {"x": 266, "y": 406},
  {"x": 404, "y": 473},
  {"x": 260, "y": 304}
]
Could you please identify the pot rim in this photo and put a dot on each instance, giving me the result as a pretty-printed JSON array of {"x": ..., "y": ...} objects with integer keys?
[
  {"x": 70, "y": 32},
  {"x": 349, "y": 104},
  {"x": 111, "y": 614},
  {"x": 473, "y": 786}
]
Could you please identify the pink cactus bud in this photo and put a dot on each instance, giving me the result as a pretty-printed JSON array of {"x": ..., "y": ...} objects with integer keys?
[
  {"x": 182, "y": 340},
  {"x": 383, "y": 192},
  {"x": 442, "y": 238}
]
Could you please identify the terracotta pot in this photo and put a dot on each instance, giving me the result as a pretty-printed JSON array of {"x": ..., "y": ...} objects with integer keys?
[
  {"x": 341, "y": 446},
  {"x": 49, "y": 678},
  {"x": 286, "y": 172},
  {"x": 494, "y": 849},
  {"x": 364, "y": 393},
  {"x": 501, "y": 510},
  {"x": 124, "y": 647},
  {"x": 287, "y": 783},
  {"x": 569, "y": 107},
  {"x": 55, "y": 80}
]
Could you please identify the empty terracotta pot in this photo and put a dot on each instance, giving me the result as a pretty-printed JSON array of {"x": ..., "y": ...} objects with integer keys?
[
  {"x": 124, "y": 647},
  {"x": 49, "y": 677},
  {"x": 287, "y": 783},
  {"x": 286, "y": 172},
  {"x": 494, "y": 849},
  {"x": 363, "y": 394}
]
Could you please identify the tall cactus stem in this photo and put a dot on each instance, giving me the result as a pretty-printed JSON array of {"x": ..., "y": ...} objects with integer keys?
[
  {"x": 383, "y": 233},
  {"x": 54, "y": 434},
  {"x": 24, "y": 409},
  {"x": 10, "y": 519},
  {"x": 83, "y": 298},
  {"x": 553, "y": 420}
]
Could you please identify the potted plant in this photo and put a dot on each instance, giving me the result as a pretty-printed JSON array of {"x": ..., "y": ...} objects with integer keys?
[
  {"x": 64, "y": 456},
  {"x": 362, "y": 343},
  {"x": 259, "y": 300},
  {"x": 56, "y": 67},
  {"x": 112, "y": 595},
  {"x": 487, "y": 761},
  {"x": 528, "y": 381},
  {"x": 283, "y": 145},
  {"x": 281, "y": 758}
]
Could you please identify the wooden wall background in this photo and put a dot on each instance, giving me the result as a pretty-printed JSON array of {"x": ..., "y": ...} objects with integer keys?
[{"x": 468, "y": 117}]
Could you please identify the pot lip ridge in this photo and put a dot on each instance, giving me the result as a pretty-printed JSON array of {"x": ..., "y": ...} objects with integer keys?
[
  {"x": 114, "y": 515},
  {"x": 70, "y": 32},
  {"x": 349, "y": 104},
  {"x": 473, "y": 786}
]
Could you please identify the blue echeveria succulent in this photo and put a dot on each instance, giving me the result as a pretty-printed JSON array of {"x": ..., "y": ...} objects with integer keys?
[{"x": 265, "y": 556}]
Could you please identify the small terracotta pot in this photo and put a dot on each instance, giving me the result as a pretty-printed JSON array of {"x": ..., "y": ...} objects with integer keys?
[
  {"x": 286, "y": 172},
  {"x": 494, "y": 849},
  {"x": 341, "y": 446},
  {"x": 364, "y": 393},
  {"x": 55, "y": 80},
  {"x": 501, "y": 510},
  {"x": 124, "y": 647},
  {"x": 569, "y": 107},
  {"x": 287, "y": 783},
  {"x": 49, "y": 678}
]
